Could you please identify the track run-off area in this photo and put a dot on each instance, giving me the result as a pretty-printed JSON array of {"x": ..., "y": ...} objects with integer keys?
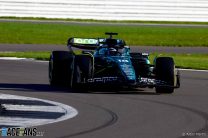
[{"x": 108, "y": 114}]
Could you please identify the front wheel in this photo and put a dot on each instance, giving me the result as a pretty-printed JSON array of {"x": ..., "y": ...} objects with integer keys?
[{"x": 165, "y": 72}]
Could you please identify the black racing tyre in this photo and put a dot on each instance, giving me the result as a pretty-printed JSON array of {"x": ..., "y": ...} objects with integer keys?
[
  {"x": 85, "y": 64},
  {"x": 76, "y": 79},
  {"x": 165, "y": 72},
  {"x": 60, "y": 68},
  {"x": 83, "y": 70}
]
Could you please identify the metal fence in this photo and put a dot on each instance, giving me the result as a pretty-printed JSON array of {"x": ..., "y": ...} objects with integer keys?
[{"x": 149, "y": 10}]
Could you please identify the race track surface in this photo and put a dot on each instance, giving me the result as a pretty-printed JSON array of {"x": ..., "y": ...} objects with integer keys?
[
  {"x": 139, "y": 113},
  {"x": 159, "y": 49}
]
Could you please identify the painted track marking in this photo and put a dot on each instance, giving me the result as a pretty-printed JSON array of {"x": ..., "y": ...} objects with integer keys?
[{"x": 24, "y": 111}]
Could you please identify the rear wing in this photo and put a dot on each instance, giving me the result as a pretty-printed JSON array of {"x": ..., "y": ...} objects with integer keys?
[
  {"x": 94, "y": 43},
  {"x": 85, "y": 43}
]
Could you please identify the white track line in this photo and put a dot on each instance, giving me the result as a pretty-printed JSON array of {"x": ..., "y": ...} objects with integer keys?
[
  {"x": 54, "y": 107},
  {"x": 14, "y": 58},
  {"x": 194, "y": 70}
]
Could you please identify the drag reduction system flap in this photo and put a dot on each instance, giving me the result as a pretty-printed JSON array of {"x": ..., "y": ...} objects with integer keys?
[{"x": 84, "y": 43}]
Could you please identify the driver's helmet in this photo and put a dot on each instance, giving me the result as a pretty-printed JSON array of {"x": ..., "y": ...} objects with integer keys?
[{"x": 112, "y": 51}]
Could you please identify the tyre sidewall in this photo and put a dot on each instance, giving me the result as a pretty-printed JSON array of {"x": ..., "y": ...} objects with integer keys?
[{"x": 165, "y": 72}]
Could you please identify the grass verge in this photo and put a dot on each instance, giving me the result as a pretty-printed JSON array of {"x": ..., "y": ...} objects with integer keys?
[
  {"x": 58, "y": 33},
  {"x": 190, "y": 61}
]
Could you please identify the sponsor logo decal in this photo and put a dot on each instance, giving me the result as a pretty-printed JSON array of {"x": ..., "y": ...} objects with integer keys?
[
  {"x": 147, "y": 80},
  {"x": 102, "y": 79},
  {"x": 85, "y": 41}
]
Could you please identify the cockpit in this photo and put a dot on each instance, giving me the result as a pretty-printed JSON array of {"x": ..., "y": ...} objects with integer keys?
[
  {"x": 106, "y": 51},
  {"x": 112, "y": 47}
]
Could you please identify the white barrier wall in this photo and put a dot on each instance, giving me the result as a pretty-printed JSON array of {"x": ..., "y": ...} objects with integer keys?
[{"x": 154, "y": 10}]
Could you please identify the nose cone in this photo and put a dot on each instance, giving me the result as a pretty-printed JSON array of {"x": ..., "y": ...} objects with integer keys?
[
  {"x": 127, "y": 69},
  {"x": 128, "y": 72}
]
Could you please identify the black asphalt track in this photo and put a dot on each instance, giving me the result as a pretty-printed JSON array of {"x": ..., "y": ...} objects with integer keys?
[{"x": 139, "y": 113}]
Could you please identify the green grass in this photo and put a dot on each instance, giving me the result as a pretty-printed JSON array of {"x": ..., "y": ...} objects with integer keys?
[
  {"x": 192, "y": 61},
  {"x": 56, "y": 33},
  {"x": 188, "y": 61}
]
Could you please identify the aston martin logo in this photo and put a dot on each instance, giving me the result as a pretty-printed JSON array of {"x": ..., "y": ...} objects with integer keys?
[{"x": 102, "y": 79}]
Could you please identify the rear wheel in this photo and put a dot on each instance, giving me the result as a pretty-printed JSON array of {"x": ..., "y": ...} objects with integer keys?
[
  {"x": 60, "y": 68},
  {"x": 165, "y": 72}
]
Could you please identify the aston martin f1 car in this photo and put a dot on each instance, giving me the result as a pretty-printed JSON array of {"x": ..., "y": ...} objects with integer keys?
[{"x": 108, "y": 61}]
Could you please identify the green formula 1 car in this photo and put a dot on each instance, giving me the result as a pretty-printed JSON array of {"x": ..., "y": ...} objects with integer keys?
[{"x": 108, "y": 61}]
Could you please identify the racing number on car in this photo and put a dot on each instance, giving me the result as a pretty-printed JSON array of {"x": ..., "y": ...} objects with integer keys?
[{"x": 123, "y": 60}]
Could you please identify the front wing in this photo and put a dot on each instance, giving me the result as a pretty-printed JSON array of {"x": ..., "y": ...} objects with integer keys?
[{"x": 117, "y": 81}]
